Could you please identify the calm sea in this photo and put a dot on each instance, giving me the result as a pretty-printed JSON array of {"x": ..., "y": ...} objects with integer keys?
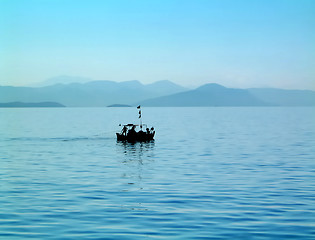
[{"x": 211, "y": 173}]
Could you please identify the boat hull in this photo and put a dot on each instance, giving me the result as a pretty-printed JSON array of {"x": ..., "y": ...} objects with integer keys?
[{"x": 137, "y": 137}]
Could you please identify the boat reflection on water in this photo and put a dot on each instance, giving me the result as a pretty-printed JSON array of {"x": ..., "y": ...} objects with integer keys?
[
  {"x": 137, "y": 150},
  {"x": 136, "y": 160}
]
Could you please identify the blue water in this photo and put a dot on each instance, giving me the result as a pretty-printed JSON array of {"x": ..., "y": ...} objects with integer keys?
[{"x": 211, "y": 173}]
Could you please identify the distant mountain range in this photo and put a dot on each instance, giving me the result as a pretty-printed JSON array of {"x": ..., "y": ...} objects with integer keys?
[
  {"x": 90, "y": 94},
  {"x": 158, "y": 94}
]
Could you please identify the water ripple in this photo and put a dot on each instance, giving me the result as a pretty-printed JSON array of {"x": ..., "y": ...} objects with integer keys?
[{"x": 226, "y": 180}]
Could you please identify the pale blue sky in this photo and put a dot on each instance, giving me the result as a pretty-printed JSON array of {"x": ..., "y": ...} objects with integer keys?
[{"x": 237, "y": 43}]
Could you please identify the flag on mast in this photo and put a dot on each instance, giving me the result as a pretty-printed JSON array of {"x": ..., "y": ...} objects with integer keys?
[{"x": 139, "y": 107}]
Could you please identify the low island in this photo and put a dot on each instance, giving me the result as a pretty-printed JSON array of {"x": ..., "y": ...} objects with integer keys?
[{"x": 119, "y": 105}]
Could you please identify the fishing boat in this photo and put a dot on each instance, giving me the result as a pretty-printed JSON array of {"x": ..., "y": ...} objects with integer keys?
[{"x": 131, "y": 133}]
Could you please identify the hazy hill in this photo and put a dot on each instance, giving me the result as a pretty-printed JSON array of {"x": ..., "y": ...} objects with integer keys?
[
  {"x": 90, "y": 94},
  {"x": 207, "y": 95},
  {"x": 283, "y": 97},
  {"x": 165, "y": 87},
  {"x": 61, "y": 80}
]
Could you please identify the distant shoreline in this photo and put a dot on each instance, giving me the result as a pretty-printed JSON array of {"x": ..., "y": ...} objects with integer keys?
[{"x": 31, "y": 105}]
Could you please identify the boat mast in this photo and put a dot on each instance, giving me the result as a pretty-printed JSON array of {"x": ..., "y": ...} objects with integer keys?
[{"x": 140, "y": 116}]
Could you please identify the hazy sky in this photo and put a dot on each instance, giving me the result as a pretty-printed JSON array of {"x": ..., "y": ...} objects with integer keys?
[{"x": 237, "y": 43}]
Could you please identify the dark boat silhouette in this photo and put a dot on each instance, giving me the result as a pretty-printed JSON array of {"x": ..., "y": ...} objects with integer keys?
[{"x": 129, "y": 132}]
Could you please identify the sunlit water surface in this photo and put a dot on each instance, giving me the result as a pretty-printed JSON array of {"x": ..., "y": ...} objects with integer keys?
[{"x": 211, "y": 173}]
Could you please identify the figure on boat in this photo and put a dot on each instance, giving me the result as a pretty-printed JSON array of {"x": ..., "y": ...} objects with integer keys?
[{"x": 129, "y": 133}]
